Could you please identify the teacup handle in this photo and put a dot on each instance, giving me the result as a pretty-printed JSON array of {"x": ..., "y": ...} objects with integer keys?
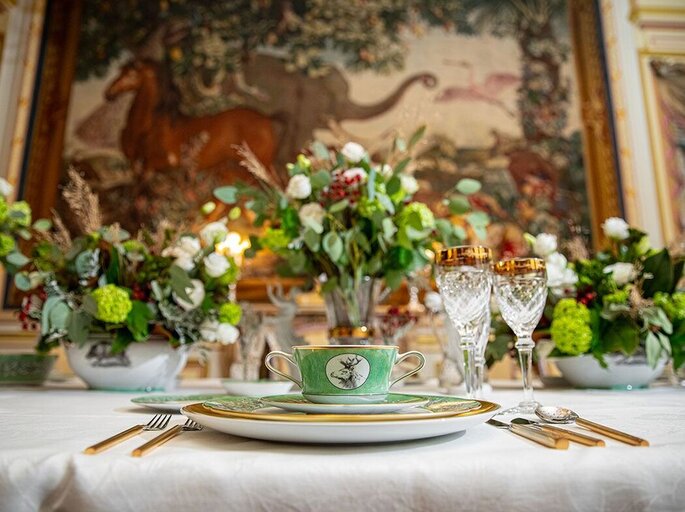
[
  {"x": 402, "y": 357},
  {"x": 287, "y": 357}
]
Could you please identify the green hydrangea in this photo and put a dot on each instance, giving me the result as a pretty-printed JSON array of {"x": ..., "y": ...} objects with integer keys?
[
  {"x": 6, "y": 245},
  {"x": 134, "y": 246},
  {"x": 424, "y": 213},
  {"x": 673, "y": 305},
  {"x": 573, "y": 309},
  {"x": 20, "y": 212},
  {"x": 230, "y": 313},
  {"x": 4, "y": 208},
  {"x": 275, "y": 239},
  {"x": 618, "y": 297},
  {"x": 113, "y": 303},
  {"x": 571, "y": 335},
  {"x": 367, "y": 207}
]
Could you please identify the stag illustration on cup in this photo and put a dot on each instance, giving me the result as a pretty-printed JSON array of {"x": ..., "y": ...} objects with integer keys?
[{"x": 348, "y": 371}]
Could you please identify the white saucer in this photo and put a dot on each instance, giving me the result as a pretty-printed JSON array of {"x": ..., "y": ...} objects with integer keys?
[
  {"x": 296, "y": 402},
  {"x": 172, "y": 403},
  {"x": 256, "y": 388}
]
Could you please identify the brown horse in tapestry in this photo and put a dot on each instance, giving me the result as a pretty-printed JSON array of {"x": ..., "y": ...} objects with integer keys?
[{"x": 155, "y": 138}]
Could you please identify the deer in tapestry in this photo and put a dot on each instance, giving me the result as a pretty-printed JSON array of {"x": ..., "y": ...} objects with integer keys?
[{"x": 348, "y": 377}]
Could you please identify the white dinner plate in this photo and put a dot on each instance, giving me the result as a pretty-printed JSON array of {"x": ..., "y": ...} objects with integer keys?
[
  {"x": 171, "y": 403},
  {"x": 340, "y": 432},
  {"x": 394, "y": 402}
]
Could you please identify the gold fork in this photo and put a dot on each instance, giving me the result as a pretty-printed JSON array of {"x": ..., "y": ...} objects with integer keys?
[
  {"x": 164, "y": 437},
  {"x": 158, "y": 422}
]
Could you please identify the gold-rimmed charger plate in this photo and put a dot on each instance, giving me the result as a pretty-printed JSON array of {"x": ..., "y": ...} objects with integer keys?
[{"x": 254, "y": 409}]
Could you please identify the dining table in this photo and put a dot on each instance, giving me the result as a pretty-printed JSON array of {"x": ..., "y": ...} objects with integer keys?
[{"x": 43, "y": 467}]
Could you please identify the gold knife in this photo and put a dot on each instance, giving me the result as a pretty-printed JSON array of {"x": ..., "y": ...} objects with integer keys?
[{"x": 548, "y": 439}]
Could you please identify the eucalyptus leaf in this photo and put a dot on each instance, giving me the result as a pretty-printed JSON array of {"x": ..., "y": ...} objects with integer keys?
[
  {"x": 333, "y": 245},
  {"x": 22, "y": 281},
  {"x": 387, "y": 203},
  {"x": 320, "y": 179},
  {"x": 459, "y": 205},
  {"x": 320, "y": 150},
  {"x": 226, "y": 194},
  {"x": 17, "y": 259},
  {"x": 180, "y": 282},
  {"x": 339, "y": 206},
  {"x": 416, "y": 136},
  {"x": 78, "y": 327},
  {"x": 399, "y": 168},
  {"x": 90, "y": 306},
  {"x": 312, "y": 239},
  {"x": 42, "y": 225},
  {"x": 389, "y": 228},
  {"x": 468, "y": 186},
  {"x": 653, "y": 348}
]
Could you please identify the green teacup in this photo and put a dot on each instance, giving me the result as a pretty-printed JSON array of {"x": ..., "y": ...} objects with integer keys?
[{"x": 344, "y": 374}]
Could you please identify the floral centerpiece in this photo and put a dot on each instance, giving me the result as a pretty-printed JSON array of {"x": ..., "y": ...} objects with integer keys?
[
  {"x": 348, "y": 222},
  {"x": 108, "y": 292},
  {"x": 622, "y": 300}
]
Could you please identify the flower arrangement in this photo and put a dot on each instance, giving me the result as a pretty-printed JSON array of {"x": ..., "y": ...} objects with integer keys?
[
  {"x": 15, "y": 222},
  {"x": 622, "y": 299},
  {"x": 346, "y": 220},
  {"x": 105, "y": 281}
]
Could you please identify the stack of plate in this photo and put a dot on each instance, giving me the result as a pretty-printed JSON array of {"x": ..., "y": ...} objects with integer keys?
[{"x": 291, "y": 418}]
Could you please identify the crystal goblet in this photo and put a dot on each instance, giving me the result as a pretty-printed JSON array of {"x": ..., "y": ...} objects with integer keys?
[
  {"x": 463, "y": 278},
  {"x": 520, "y": 287}
]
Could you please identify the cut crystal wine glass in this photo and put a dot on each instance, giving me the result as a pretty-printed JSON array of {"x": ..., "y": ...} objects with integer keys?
[
  {"x": 482, "y": 337},
  {"x": 521, "y": 291},
  {"x": 463, "y": 278}
]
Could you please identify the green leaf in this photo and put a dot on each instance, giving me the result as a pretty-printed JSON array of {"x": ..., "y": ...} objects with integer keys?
[
  {"x": 362, "y": 241},
  {"x": 621, "y": 336},
  {"x": 54, "y": 315},
  {"x": 320, "y": 179},
  {"x": 460, "y": 232},
  {"x": 416, "y": 136},
  {"x": 399, "y": 168},
  {"x": 660, "y": 267},
  {"x": 78, "y": 327},
  {"x": 333, "y": 245},
  {"x": 42, "y": 225},
  {"x": 90, "y": 306},
  {"x": 113, "y": 271},
  {"x": 24, "y": 233},
  {"x": 371, "y": 184},
  {"x": 653, "y": 348},
  {"x": 180, "y": 282},
  {"x": 17, "y": 259},
  {"x": 226, "y": 194},
  {"x": 393, "y": 186},
  {"x": 122, "y": 339},
  {"x": 339, "y": 206},
  {"x": 468, "y": 186},
  {"x": 393, "y": 279},
  {"x": 22, "y": 281},
  {"x": 387, "y": 203},
  {"x": 312, "y": 239},
  {"x": 459, "y": 205},
  {"x": 389, "y": 228},
  {"x": 138, "y": 319},
  {"x": 478, "y": 219}
]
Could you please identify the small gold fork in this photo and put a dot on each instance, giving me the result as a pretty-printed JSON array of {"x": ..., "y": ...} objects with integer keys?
[
  {"x": 158, "y": 422},
  {"x": 165, "y": 436}
]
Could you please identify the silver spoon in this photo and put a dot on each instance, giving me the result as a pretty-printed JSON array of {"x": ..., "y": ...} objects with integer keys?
[
  {"x": 553, "y": 414},
  {"x": 571, "y": 436}
]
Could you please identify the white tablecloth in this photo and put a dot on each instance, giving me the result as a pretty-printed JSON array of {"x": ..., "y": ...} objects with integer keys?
[{"x": 42, "y": 467}]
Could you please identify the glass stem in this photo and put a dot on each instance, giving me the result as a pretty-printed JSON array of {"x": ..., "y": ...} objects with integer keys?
[
  {"x": 478, "y": 377},
  {"x": 469, "y": 365},
  {"x": 524, "y": 345}
]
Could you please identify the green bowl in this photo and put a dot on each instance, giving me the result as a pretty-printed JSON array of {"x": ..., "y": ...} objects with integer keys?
[{"x": 25, "y": 369}]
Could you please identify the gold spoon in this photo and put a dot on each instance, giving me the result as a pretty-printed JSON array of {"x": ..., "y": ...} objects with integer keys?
[{"x": 552, "y": 414}]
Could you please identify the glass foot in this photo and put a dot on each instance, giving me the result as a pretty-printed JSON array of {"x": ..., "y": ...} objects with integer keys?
[{"x": 522, "y": 408}]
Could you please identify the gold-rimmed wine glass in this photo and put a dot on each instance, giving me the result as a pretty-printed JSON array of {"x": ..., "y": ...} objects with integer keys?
[
  {"x": 520, "y": 287},
  {"x": 463, "y": 278}
]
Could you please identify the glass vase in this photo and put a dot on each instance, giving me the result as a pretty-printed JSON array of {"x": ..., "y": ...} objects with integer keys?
[{"x": 350, "y": 313}]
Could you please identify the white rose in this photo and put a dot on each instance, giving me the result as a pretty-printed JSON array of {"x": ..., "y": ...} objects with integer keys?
[
  {"x": 433, "y": 301},
  {"x": 6, "y": 188},
  {"x": 570, "y": 278},
  {"x": 216, "y": 264},
  {"x": 623, "y": 273},
  {"x": 208, "y": 330},
  {"x": 213, "y": 232},
  {"x": 186, "y": 246},
  {"x": 186, "y": 262},
  {"x": 351, "y": 174},
  {"x": 384, "y": 170},
  {"x": 616, "y": 228},
  {"x": 196, "y": 295},
  {"x": 311, "y": 215},
  {"x": 409, "y": 184},
  {"x": 545, "y": 244},
  {"x": 556, "y": 259},
  {"x": 227, "y": 334},
  {"x": 353, "y": 152},
  {"x": 299, "y": 187}
]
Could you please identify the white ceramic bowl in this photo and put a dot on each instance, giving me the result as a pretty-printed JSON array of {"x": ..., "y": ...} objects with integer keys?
[
  {"x": 621, "y": 372},
  {"x": 256, "y": 388}
]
